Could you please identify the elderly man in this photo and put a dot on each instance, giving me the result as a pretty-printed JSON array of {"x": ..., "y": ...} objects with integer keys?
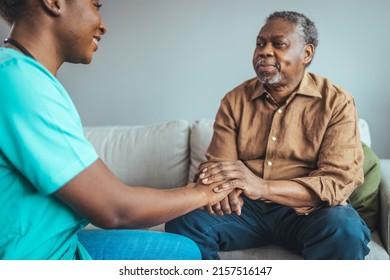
[{"x": 288, "y": 142}]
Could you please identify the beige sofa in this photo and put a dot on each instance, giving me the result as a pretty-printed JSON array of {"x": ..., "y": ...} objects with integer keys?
[{"x": 167, "y": 155}]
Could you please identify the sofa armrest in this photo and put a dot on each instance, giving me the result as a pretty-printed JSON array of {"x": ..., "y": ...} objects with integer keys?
[{"x": 384, "y": 193}]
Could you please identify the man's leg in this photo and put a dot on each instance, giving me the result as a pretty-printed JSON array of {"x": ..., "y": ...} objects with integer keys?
[
  {"x": 213, "y": 233},
  {"x": 137, "y": 245},
  {"x": 329, "y": 233}
]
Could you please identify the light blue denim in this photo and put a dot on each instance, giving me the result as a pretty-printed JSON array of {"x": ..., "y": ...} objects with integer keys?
[{"x": 137, "y": 245}]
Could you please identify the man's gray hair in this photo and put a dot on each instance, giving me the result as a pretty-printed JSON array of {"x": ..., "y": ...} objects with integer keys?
[{"x": 305, "y": 26}]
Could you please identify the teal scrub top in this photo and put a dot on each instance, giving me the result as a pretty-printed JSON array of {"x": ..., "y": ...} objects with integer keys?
[{"x": 42, "y": 147}]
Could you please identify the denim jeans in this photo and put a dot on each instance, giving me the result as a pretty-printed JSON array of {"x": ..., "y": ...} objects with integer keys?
[
  {"x": 327, "y": 233},
  {"x": 137, "y": 245}
]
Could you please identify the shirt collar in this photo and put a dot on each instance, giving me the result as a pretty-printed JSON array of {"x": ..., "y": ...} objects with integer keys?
[{"x": 306, "y": 87}]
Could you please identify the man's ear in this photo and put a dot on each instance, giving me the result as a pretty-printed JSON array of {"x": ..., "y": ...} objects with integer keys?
[
  {"x": 309, "y": 53},
  {"x": 52, "y": 6}
]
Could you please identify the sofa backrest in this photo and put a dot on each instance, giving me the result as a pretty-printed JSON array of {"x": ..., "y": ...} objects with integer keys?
[
  {"x": 150, "y": 155},
  {"x": 201, "y": 134},
  {"x": 364, "y": 130}
]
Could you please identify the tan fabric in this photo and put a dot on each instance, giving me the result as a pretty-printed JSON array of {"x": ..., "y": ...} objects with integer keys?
[{"x": 312, "y": 139}]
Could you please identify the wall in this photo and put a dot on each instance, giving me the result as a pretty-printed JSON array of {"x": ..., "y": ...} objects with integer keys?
[{"x": 175, "y": 59}]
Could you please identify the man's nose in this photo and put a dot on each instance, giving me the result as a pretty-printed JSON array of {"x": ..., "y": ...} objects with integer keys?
[{"x": 266, "y": 51}]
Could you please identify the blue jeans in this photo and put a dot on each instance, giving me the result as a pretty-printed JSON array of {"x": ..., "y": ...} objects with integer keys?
[
  {"x": 328, "y": 233},
  {"x": 137, "y": 245}
]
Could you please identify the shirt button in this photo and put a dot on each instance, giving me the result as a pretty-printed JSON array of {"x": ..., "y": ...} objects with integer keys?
[
  {"x": 269, "y": 163},
  {"x": 280, "y": 111},
  {"x": 267, "y": 96},
  {"x": 273, "y": 138}
]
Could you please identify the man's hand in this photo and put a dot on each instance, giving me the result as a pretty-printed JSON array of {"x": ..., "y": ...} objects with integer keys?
[
  {"x": 214, "y": 198},
  {"x": 232, "y": 175},
  {"x": 231, "y": 204},
  {"x": 235, "y": 175}
]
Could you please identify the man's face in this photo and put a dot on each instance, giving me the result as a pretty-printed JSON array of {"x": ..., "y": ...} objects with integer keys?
[{"x": 280, "y": 56}]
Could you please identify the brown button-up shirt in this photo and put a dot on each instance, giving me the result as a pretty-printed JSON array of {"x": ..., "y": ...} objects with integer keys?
[{"x": 312, "y": 139}]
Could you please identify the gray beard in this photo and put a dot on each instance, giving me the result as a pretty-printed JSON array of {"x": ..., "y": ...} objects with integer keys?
[
  {"x": 270, "y": 80},
  {"x": 267, "y": 79}
]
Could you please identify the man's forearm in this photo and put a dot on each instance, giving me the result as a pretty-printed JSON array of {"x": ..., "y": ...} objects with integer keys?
[{"x": 290, "y": 193}]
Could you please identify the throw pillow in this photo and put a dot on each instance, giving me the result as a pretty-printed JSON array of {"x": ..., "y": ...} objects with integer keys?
[{"x": 365, "y": 198}]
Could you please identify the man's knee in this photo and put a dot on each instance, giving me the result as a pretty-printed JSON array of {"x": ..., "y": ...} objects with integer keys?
[
  {"x": 341, "y": 230},
  {"x": 344, "y": 221}
]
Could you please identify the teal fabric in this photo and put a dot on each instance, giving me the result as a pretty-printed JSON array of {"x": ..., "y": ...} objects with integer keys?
[
  {"x": 42, "y": 147},
  {"x": 365, "y": 198}
]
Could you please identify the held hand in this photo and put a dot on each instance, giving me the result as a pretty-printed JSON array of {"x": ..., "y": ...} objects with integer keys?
[
  {"x": 213, "y": 197},
  {"x": 231, "y": 204},
  {"x": 231, "y": 175}
]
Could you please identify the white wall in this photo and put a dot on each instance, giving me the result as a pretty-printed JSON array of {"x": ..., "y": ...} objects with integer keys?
[{"x": 175, "y": 59}]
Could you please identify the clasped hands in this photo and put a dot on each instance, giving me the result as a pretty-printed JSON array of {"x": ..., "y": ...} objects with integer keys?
[{"x": 232, "y": 175}]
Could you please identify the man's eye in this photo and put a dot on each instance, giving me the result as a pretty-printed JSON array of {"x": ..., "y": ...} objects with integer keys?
[
  {"x": 260, "y": 44},
  {"x": 279, "y": 44}
]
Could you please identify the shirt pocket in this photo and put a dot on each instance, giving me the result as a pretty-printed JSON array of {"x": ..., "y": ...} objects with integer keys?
[
  {"x": 308, "y": 138},
  {"x": 250, "y": 146}
]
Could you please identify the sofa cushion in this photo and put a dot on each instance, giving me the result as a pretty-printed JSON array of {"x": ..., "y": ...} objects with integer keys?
[
  {"x": 150, "y": 155},
  {"x": 365, "y": 198},
  {"x": 364, "y": 130},
  {"x": 200, "y": 138}
]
